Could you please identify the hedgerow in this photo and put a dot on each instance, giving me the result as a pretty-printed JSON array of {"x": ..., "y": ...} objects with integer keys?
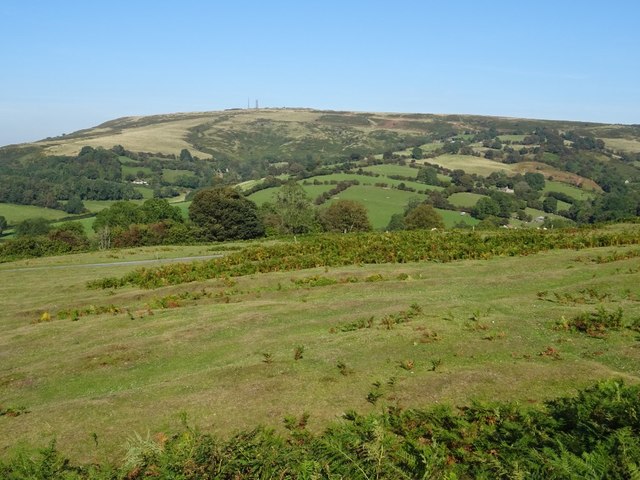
[{"x": 334, "y": 250}]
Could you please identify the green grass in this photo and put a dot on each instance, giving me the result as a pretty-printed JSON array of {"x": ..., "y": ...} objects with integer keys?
[
  {"x": 575, "y": 192},
  {"x": 470, "y": 164},
  {"x": 465, "y": 199},
  {"x": 18, "y": 213},
  {"x": 133, "y": 170},
  {"x": 114, "y": 375},
  {"x": 512, "y": 138},
  {"x": 451, "y": 218},
  {"x": 380, "y": 203},
  {"x": 171, "y": 175},
  {"x": 392, "y": 169}
]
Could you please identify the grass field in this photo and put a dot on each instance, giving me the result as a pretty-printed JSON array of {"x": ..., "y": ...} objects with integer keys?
[
  {"x": 465, "y": 199},
  {"x": 575, "y": 192},
  {"x": 470, "y": 164},
  {"x": 489, "y": 326},
  {"x": 623, "y": 144},
  {"x": 392, "y": 169},
  {"x": 17, "y": 213},
  {"x": 380, "y": 203}
]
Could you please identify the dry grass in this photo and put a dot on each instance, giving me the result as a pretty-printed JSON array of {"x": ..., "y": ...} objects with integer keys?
[{"x": 113, "y": 375}]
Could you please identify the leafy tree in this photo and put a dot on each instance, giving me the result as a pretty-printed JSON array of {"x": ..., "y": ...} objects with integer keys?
[
  {"x": 185, "y": 155},
  {"x": 345, "y": 216},
  {"x": 33, "y": 227},
  {"x": 423, "y": 217},
  {"x": 485, "y": 207},
  {"x": 535, "y": 180},
  {"x": 294, "y": 208},
  {"x": 396, "y": 222},
  {"x": 120, "y": 214},
  {"x": 428, "y": 175},
  {"x": 74, "y": 205},
  {"x": 158, "y": 209},
  {"x": 225, "y": 214},
  {"x": 3, "y": 224},
  {"x": 416, "y": 153},
  {"x": 550, "y": 205}
]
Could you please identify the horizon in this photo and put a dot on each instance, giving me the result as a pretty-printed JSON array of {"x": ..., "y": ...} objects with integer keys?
[{"x": 73, "y": 67}]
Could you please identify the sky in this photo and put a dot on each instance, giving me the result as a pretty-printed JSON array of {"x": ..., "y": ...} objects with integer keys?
[{"x": 67, "y": 65}]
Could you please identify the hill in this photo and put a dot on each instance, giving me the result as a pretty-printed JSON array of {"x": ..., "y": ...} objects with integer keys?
[{"x": 590, "y": 170}]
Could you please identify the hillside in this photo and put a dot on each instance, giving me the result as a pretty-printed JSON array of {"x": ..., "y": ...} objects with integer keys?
[{"x": 388, "y": 161}]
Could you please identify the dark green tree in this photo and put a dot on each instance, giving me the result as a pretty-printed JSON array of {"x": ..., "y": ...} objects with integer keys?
[
  {"x": 32, "y": 227},
  {"x": 428, "y": 175},
  {"x": 3, "y": 224},
  {"x": 396, "y": 222},
  {"x": 294, "y": 209},
  {"x": 416, "y": 153},
  {"x": 550, "y": 205},
  {"x": 535, "y": 180},
  {"x": 345, "y": 216},
  {"x": 485, "y": 207},
  {"x": 158, "y": 209},
  {"x": 120, "y": 214},
  {"x": 74, "y": 205},
  {"x": 423, "y": 217},
  {"x": 185, "y": 155},
  {"x": 225, "y": 214}
]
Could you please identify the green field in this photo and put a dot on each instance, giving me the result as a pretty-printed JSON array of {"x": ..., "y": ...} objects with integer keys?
[
  {"x": 380, "y": 203},
  {"x": 17, "y": 213},
  {"x": 452, "y": 218},
  {"x": 470, "y": 164},
  {"x": 465, "y": 199},
  {"x": 392, "y": 169},
  {"x": 575, "y": 192},
  {"x": 489, "y": 324}
]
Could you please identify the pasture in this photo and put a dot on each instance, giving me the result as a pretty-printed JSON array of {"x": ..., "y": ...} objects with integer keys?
[
  {"x": 470, "y": 164},
  {"x": 18, "y": 213},
  {"x": 223, "y": 351}
]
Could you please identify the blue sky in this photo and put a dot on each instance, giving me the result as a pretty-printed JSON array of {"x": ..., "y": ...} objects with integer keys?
[{"x": 68, "y": 65}]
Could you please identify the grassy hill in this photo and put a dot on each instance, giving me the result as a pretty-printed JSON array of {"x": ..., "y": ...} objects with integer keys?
[{"x": 234, "y": 352}]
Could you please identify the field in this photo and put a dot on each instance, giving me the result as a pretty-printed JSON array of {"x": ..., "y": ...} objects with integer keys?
[
  {"x": 465, "y": 199},
  {"x": 623, "y": 144},
  {"x": 470, "y": 164},
  {"x": 577, "y": 193},
  {"x": 17, "y": 213},
  {"x": 223, "y": 352}
]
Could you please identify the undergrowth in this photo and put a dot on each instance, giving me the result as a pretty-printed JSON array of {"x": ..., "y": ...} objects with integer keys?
[
  {"x": 369, "y": 248},
  {"x": 595, "y": 434}
]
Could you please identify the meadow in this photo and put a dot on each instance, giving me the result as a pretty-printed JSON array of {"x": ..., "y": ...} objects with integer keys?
[{"x": 91, "y": 367}]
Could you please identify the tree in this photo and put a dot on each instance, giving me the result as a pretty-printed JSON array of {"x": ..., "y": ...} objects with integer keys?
[
  {"x": 74, "y": 205},
  {"x": 535, "y": 180},
  {"x": 345, "y": 216},
  {"x": 485, "y": 207},
  {"x": 423, "y": 217},
  {"x": 294, "y": 208},
  {"x": 185, "y": 155},
  {"x": 225, "y": 214},
  {"x": 3, "y": 224},
  {"x": 396, "y": 222},
  {"x": 428, "y": 175},
  {"x": 158, "y": 209},
  {"x": 550, "y": 205},
  {"x": 33, "y": 227},
  {"x": 120, "y": 214},
  {"x": 416, "y": 153}
]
